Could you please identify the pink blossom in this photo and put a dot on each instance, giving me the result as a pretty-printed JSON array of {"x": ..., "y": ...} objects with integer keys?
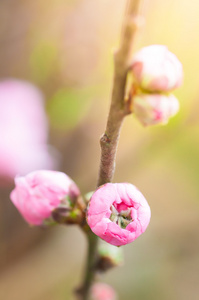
[
  {"x": 153, "y": 109},
  {"x": 24, "y": 129},
  {"x": 156, "y": 69},
  {"x": 102, "y": 291},
  {"x": 118, "y": 213},
  {"x": 37, "y": 194}
]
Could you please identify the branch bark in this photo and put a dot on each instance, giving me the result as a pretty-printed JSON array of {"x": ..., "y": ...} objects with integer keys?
[
  {"x": 117, "y": 113},
  {"x": 122, "y": 58}
]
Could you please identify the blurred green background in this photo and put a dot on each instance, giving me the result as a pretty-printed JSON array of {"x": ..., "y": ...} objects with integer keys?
[{"x": 65, "y": 48}]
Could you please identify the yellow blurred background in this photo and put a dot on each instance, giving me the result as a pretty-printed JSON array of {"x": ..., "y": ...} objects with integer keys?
[{"x": 65, "y": 48}]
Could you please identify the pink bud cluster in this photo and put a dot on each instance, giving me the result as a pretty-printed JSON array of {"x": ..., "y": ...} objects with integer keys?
[
  {"x": 117, "y": 212},
  {"x": 156, "y": 72}
]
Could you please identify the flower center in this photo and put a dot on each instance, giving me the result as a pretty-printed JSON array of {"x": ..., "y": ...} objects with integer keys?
[{"x": 122, "y": 218}]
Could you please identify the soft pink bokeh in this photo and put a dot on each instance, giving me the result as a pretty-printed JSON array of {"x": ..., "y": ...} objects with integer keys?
[
  {"x": 122, "y": 196},
  {"x": 102, "y": 291},
  {"x": 156, "y": 69},
  {"x": 23, "y": 129},
  {"x": 152, "y": 109},
  {"x": 39, "y": 193}
]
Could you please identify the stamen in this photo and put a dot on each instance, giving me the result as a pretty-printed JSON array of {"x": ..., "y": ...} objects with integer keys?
[{"x": 122, "y": 218}]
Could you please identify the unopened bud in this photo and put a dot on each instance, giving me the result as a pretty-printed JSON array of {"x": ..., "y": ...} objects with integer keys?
[
  {"x": 118, "y": 213},
  {"x": 39, "y": 193},
  {"x": 156, "y": 69},
  {"x": 152, "y": 109}
]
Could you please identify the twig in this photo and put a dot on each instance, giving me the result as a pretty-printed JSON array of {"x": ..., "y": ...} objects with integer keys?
[
  {"x": 118, "y": 111},
  {"x": 122, "y": 58}
]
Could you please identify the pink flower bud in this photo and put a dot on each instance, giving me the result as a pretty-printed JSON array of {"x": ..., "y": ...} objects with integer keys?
[
  {"x": 118, "y": 213},
  {"x": 37, "y": 194},
  {"x": 156, "y": 69},
  {"x": 102, "y": 291},
  {"x": 153, "y": 109}
]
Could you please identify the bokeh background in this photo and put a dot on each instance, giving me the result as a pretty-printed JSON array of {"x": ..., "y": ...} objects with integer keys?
[{"x": 65, "y": 48}]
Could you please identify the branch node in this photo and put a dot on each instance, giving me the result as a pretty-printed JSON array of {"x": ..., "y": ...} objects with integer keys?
[{"x": 105, "y": 140}]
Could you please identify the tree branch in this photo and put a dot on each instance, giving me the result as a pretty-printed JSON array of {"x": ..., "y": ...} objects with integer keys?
[
  {"x": 118, "y": 111},
  {"x": 122, "y": 58}
]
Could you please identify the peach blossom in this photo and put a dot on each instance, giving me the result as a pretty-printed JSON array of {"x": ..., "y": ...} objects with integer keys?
[
  {"x": 37, "y": 194},
  {"x": 151, "y": 109},
  {"x": 118, "y": 213},
  {"x": 156, "y": 69}
]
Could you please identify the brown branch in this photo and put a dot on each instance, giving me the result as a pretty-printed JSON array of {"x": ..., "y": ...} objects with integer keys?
[
  {"x": 118, "y": 111},
  {"x": 90, "y": 268},
  {"x": 122, "y": 58}
]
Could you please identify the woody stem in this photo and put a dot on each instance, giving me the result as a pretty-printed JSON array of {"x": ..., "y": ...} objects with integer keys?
[{"x": 117, "y": 113}]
